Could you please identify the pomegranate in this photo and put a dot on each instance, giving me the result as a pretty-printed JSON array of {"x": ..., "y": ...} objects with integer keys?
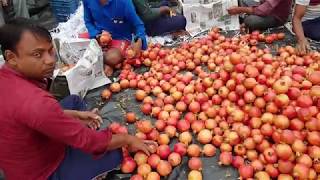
[
  {"x": 193, "y": 150},
  {"x": 225, "y": 158},
  {"x": 140, "y": 158},
  {"x": 194, "y": 107},
  {"x": 163, "y": 151},
  {"x": 281, "y": 122},
  {"x": 136, "y": 177},
  {"x": 194, "y": 175},
  {"x": 153, "y": 176},
  {"x": 204, "y": 136},
  {"x": 185, "y": 137},
  {"x": 272, "y": 171},
  {"x": 304, "y": 101},
  {"x": 164, "y": 168},
  {"x": 237, "y": 161},
  {"x": 270, "y": 155},
  {"x": 174, "y": 159},
  {"x": 209, "y": 150},
  {"x": 153, "y": 160},
  {"x": 140, "y": 95},
  {"x": 183, "y": 125},
  {"x": 144, "y": 126},
  {"x": 298, "y": 146},
  {"x": 195, "y": 164},
  {"x": 314, "y": 78},
  {"x": 301, "y": 171},
  {"x": 246, "y": 171},
  {"x": 128, "y": 165},
  {"x": 197, "y": 126},
  {"x": 314, "y": 138},
  {"x": 106, "y": 94},
  {"x": 262, "y": 175},
  {"x": 304, "y": 159},
  {"x": 285, "y": 167},
  {"x": 163, "y": 139},
  {"x": 170, "y": 131},
  {"x": 180, "y": 148},
  {"x": 257, "y": 165},
  {"x": 144, "y": 170},
  {"x": 160, "y": 125}
]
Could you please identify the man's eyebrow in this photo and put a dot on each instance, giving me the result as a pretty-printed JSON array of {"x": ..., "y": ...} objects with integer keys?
[{"x": 42, "y": 49}]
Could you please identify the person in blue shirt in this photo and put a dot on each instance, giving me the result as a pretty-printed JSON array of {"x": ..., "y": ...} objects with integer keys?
[{"x": 119, "y": 18}]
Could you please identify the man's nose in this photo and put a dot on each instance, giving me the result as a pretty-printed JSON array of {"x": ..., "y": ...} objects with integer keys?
[{"x": 50, "y": 59}]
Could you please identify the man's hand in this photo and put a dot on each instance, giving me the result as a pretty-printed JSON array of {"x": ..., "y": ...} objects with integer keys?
[
  {"x": 104, "y": 38},
  {"x": 136, "y": 47},
  {"x": 136, "y": 144},
  {"x": 164, "y": 10},
  {"x": 234, "y": 10},
  {"x": 90, "y": 118},
  {"x": 4, "y": 2},
  {"x": 303, "y": 46}
]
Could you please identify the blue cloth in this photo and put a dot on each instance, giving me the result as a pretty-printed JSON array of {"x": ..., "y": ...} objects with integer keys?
[
  {"x": 164, "y": 25},
  {"x": 78, "y": 165},
  {"x": 311, "y": 28},
  {"x": 73, "y": 102},
  {"x": 118, "y": 17}
]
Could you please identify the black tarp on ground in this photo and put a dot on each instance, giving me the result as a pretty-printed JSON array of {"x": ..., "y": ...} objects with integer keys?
[{"x": 120, "y": 103}]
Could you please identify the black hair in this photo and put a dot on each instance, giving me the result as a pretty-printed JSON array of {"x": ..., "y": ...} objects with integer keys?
[{"x": 10, "y": 34}]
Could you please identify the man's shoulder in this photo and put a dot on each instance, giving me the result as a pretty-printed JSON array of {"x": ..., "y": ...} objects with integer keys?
[
  {"x": 303, "y": 2},
  {"x": 19, "y": 89}
]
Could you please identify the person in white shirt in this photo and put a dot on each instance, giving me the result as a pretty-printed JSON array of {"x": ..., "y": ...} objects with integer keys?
[{"x": 306, "y": 23}]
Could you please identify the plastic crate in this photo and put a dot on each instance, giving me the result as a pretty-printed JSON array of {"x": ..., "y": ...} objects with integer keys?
[{"x": 63, "y": 8}]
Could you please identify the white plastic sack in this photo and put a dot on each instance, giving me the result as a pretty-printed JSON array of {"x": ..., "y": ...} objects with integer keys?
[
  {"x": 210, "y": 13},
  {"x": 73, "y": 27},
  {"x": 1, "y": 60},
  {"x": 88, "y": 72}
]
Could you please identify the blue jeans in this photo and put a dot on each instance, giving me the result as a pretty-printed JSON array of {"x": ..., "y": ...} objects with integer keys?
[
  {"x": 73, "y": 102},
  {"x": 311, "y": 28},
  {"x": 165, "y": 25},
  {"x": 78, "y": 165}
]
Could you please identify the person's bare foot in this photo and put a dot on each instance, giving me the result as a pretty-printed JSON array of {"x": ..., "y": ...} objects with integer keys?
[
  {"x": 108, "y": 71},
  {"x": 177, "y": 34}
]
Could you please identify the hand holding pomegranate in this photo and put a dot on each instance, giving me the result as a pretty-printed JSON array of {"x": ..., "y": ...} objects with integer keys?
[
  {"x": 104, "y": 38},
  {"x": 136, "y": 144}
]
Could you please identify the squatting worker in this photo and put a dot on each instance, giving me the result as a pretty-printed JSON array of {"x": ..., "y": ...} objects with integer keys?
[
  {"x": 264, "y": 14},
  {"x": 306, "y": 23},
  {"x": 119, "y": 18},
  {"x": 38, "y": 139}
]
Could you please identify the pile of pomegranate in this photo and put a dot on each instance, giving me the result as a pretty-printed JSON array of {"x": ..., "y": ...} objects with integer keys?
[{"x": 260, "y": 110}]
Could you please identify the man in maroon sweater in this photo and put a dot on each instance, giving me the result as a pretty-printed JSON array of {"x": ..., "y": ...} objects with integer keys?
[
  {"x": 263, "y": 15},
  {"x": 38, "y": 139}
]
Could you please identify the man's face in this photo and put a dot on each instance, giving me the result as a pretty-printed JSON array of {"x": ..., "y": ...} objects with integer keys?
[{"x": 34, "y": 57}]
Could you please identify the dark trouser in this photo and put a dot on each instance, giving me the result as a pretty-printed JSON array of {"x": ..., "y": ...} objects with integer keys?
[
  {"x": 254, "y": 22},
  {"x": 311, "y": 28},
  {"x": 78, "y": 165},
  {"x": 81, "y": 166},
  {"x": 73, "y": 102},
  {"x": 165, "y": 25}
]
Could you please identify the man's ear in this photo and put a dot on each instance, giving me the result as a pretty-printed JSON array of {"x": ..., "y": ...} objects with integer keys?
[{"x": 10, "y": 57}]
